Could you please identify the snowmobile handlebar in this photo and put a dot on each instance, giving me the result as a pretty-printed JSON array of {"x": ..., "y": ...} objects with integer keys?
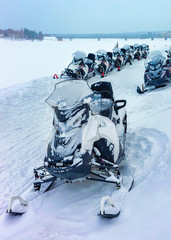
[{"x": 120, "y": 106}]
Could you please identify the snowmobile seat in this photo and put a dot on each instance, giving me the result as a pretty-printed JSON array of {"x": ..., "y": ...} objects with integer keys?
[
  {"x": 91, "y": 56},
  {"x": 104, "y": 88},
  {"x": 109, "y": 54}
]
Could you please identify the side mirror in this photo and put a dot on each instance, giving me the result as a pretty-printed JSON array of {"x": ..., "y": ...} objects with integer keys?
[{"x": 120, "y": 104}]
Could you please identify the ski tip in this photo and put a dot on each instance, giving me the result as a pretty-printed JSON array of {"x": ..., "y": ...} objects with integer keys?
[
  {"x": 109, "y": 215},
  {"x": 139, "y": 90}
]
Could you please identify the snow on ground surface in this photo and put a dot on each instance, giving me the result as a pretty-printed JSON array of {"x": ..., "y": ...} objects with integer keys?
[{"x": 69, "y": 212}]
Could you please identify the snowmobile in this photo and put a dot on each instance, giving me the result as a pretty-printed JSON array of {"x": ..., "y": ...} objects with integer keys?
[
  {"x": 118, "y": 58},
  {"x": 109, "y": 57},
  {"x": 144, "y": 50},
  {"x": 127, "y": 53},
  {"x": 87, "y": 140},
  {"x": 102, "y": 64},
  {"x": 168, "y": 61},
  {"x": 81, "y": 67},
  {"x": 157, "y": 74},
  {"x": 137, "y": 51}
]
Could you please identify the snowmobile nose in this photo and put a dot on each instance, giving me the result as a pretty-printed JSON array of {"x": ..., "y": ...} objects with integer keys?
[{"x": 156, "y": 74}]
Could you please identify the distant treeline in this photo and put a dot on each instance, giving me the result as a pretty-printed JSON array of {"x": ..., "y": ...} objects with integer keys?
[{"x": 21, "y": 34}]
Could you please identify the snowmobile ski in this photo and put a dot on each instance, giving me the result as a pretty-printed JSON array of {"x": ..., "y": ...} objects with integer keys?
[
  {"x": 16, "y": 213},
  {"x": 149, "y": 89},
  {"x": 110, "y": 206}
]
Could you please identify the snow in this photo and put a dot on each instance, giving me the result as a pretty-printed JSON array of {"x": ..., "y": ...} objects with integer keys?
[{"x": 69, "y": 212}]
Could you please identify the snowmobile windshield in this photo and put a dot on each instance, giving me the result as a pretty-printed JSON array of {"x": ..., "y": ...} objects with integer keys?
[
  {"x": 78, "y": 55},
  {"x": 101, "y": 52},
  {"x": 136, "y": 45},
  {"x": 70, "y": 101},
  {"x": 115, "y": 50},
  {"x": 126, "y": 47},
  {"x": 66, "y": 120},
  {"x": 155, "y": 60},
  {"x": 68, "y": 94},
  {"x": 144, "y": 46}
]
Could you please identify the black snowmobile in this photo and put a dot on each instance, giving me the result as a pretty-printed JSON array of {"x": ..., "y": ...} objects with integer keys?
[
  {"x": 81, "y": 67},
  {"x": 88, "y": 136},
  {"x": 127, "y": 53},
  {"x": 157, "y": 74},
  {"x": 144, "y": 50},
  {"x": 137, "y": 51}
]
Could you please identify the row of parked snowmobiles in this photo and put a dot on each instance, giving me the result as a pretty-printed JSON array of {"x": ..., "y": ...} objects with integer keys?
[
  {"x": 157, "y": 71},
  {"x": 102, "y": 62},
  {"x": 128, "y": 53}
]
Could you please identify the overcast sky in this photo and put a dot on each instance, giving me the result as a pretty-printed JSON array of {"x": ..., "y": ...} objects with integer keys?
[{"x": 86, "y": 16}]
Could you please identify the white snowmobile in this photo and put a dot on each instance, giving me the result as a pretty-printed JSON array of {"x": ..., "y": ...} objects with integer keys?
[
  {"x": 127, "y": 53},
  {"x": 157, "y": 73},
  {"x": 102, "y": 63},
  {"x": 109, "y": 57},
  {"x": 137, "y": 51},
  {"x": 118, "y": 58},
  {"x": 144, "y": 50},
  {"x": 81, "y": 67},
  {"x": 87, "y": 139}
]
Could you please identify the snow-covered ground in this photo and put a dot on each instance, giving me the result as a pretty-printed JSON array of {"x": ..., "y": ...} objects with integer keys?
[{"x": 70, "y": 211}]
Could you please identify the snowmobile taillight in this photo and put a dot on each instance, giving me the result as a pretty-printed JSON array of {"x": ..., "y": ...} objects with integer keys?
[
  {"x": 119, "y": 68},
  {"x": 139, "y": 58},
  {"x": 102, "y": 74}
]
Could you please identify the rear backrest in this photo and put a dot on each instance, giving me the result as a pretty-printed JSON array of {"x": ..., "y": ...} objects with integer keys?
[
  {"x": 104, "y": 88},
  {"x": 91, "y": 56},
  {"x": 109, "y": 54}
]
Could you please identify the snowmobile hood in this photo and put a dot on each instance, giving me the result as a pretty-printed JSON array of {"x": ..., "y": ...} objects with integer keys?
[
  {"x": 155, "y": 60},
  {"x": 68, "y": 94}
]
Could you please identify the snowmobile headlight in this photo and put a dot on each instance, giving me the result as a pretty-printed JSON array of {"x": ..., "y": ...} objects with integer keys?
[
  {"x": 152, "y": 68},
  {"x": 158, "y": 66},
  {"x": 59, "y": 164}
]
